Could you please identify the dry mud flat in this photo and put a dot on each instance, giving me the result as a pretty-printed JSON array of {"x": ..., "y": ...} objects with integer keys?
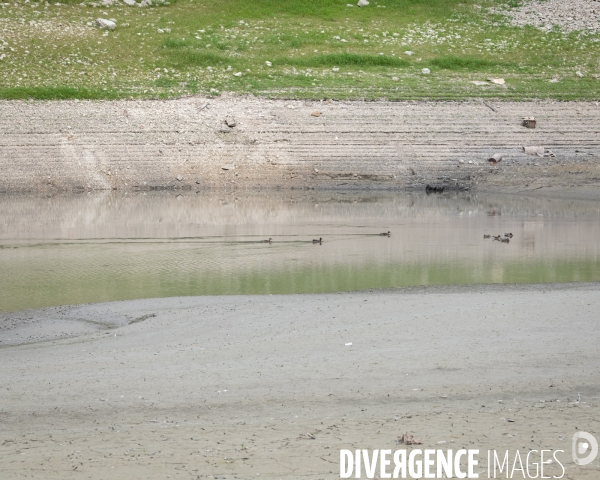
[
  {"x": 266, "y": 387},
  {"x": 186, "y": 145}
]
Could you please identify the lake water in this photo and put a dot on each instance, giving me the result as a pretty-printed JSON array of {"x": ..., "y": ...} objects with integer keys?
[{"x": 105, "y": 246}]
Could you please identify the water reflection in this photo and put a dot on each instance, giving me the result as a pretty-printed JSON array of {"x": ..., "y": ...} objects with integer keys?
[{"x": 99, "y": 247}]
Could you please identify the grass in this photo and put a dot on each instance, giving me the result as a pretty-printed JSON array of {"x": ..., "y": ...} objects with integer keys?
[
  {"x": 315, "y": 49},
  {"x": 344, "y": 59},
  {"x": 56, "y": 93},
  {"x": 467, "y": 63}
]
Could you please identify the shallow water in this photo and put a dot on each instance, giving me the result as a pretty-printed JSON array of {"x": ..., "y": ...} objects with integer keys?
[{"x": 101, "y": 247}]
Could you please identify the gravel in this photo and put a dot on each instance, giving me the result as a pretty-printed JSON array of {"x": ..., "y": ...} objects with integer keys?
[{"x": 569, "y": 15}]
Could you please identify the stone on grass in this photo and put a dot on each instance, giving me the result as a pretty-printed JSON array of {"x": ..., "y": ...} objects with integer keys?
[
  {"x": 105, "y": 24},
  {"x": 131, "y": 3},
  {"x": 362, "y": 3},
  {"x": 425, "y": 71}
]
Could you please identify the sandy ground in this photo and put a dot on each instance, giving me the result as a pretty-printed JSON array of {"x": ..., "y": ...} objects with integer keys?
[
  {"x": 185, "y": 145},
  {"x": 266, "y": 387}
]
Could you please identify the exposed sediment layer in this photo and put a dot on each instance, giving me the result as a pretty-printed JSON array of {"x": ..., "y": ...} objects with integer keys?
[
  {"x": 274, "y": 386},
  {"x": 186, "y": 144}
]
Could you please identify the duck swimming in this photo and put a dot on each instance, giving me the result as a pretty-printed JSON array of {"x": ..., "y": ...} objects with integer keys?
[
  {"x": 320, "y": 240},
  {"x": 487, "y": 236},
  {"x": 267, "y": 241},
  {"x": 384, "y": 234}
]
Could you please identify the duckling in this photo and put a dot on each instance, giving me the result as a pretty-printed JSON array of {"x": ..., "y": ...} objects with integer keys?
[
  {"x": 320, "y": 240},
  {"x": 505, "y": 240},
  {"x": 508, "y": 235},
  {"x": 267, "y": 241},
  {"x": 487, "y": 236},
  {"x": 386, "y": 234},
  {"x": 497, "y": 237}
]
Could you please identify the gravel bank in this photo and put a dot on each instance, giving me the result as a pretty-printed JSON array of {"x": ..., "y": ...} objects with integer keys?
[{"x": 569, "y": 15}]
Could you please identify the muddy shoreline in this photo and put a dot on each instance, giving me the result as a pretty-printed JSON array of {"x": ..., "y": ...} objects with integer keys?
[
  {"x": 247, "y": 386},
  {"x": 186, "y": 145}
]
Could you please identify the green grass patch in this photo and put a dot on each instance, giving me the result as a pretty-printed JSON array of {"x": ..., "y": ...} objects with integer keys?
[
  {"x": 176, "y": 43},
  {"x": 345, "y": 59},
  {"x": 466, "y": 63},
  {"x": 58, "y": 93},
  {"x": 200, "y": 58}
]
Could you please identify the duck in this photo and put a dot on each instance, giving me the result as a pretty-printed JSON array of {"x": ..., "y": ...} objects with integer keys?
[
  {"x": 320, "y": 240},
  {"x": 434, "y": 189},
  {"x": 505, "y": 240},
  {"x": 497, "y": 237},
  {"x": 487, "y": 236},
  {"x": 386, "y": 234},
  {"x": 508, "y": 235},
  {"x": 267, "y": 241}
]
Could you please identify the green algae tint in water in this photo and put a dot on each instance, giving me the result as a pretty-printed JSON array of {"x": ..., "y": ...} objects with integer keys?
[{"x": 92, "y": 248}]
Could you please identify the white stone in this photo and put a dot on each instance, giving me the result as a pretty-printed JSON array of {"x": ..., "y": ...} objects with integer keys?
[
  {"x": 362, "y": 3},
  {"x": 105, "y": 24},
  {"x": 425, "y": 71},
  {"x": 237, "y": 74},
  {"x": 131, "y": 3},
  {"x": 268, "y": 64}
]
